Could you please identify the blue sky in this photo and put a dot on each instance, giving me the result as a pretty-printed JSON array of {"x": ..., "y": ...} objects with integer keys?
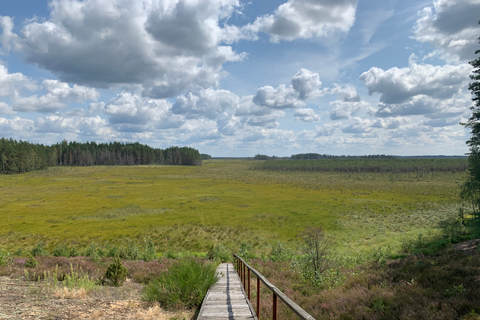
[{"x": 238, "y": 78}]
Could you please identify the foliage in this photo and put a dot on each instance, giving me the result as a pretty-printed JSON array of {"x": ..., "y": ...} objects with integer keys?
[
  {"x": 471, "y": 188},
  {"x": 416, "y": 166},
  {"x": 116, "y": 273},
  {"x": 184, "y": 285},
  {"x": 148, "y": 252},
  {"x": 304, "y": 156},
  {"x": 22, "y": 156},
  {"x": 31, "y": 262},
  {"x": 219, "y": 252},
  {"x": 65, "y": 251},
  {"x": 5, "y": 257},
  {"x": 39, "y": 249},
  {"x": 280, "y": 253},
  {"x": 316, "y": 247}
]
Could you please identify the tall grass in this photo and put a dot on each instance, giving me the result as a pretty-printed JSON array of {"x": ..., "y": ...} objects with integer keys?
[{"x": 184, "y": 285}]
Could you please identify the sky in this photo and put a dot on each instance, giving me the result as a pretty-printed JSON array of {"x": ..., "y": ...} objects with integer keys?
[{"x": 236, "y": 78}]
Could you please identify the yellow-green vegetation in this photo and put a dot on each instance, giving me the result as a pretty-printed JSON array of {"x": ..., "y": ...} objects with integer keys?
[{"x": 221, "y": 202}]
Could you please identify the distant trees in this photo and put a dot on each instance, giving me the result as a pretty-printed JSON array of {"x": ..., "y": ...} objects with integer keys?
[
  {"x": 315, "y": 156},
  {"x": 471, "y": 188},
  {"x": 21, "y": 156}
]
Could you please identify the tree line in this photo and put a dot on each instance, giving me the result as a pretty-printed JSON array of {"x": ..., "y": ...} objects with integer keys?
[
  {"x": 21, "y": 156},
  {"x": 419, "y": 166},
  {"x": 317, "y": 156}
]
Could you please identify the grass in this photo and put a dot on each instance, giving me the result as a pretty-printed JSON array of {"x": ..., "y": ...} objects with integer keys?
[
  {"x": 184, "y": 285},
  {"x": 222, "y": 202}
]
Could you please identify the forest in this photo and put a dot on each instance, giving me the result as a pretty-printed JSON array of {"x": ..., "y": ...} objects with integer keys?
[{"x": 22, "y": 156}]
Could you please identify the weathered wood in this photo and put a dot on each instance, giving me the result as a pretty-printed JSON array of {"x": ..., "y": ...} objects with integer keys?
[
  {"x": 276, "y": 292},
  {"x": 226, "y": 299}
]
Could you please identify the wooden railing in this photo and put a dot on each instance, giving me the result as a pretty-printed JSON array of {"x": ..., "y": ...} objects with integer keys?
[{"x": 244, "y": 271}]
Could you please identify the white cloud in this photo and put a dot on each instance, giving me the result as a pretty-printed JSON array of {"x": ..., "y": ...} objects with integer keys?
[
  {"x": 305, "y": 84},
  {"x": 7, "y": 38},
  {"x": 10, "y": 83},
  {"x": 207, "y": 103},
  {"x": 451, "y": 27},
  {"x": 281, "y": 97},
  {"x": 5, "y": 109},
  {"x": 306, "y": 115},
  {"x": 10, "y": 127},
  {"x": 346, "y": 109},
  {"x": 398, "y": 85},
  {"x": 306, "y": 19},
  {"x": 58, "y": 94},
  {"x": 166, "y": 46},
  {"x": 132, "y": 112}
]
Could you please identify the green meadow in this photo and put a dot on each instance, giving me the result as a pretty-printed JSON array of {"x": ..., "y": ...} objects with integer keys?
[{"x": 224, "y": 202}]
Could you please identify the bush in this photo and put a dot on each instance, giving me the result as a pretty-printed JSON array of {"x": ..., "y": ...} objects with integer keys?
[
  {"x": 61, "y": 251},
  {"x": 39, "y": 250},
  {"x": 5, "y": 257},
  {"x": 148, "y": 253},
  {"x": 184, "y": 285},
  {"x": 31, "y": 262},
  {"x": 116, "y": 273},
  {"x": 219, "y": 252}
]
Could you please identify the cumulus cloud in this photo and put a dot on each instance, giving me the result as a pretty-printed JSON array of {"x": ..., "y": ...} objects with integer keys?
[
  {"x": 306, "y": 19},
  {"x": 7, "y": 38},
  {"x": 133, "y": 112},
  {"x": 346, "y": 109},
  {"x": 209, "y": 103},
  {"x": 10, "y": 83},
  {"x": 166, "y": 46},
  {"x": 398, "y": 85},
  {"x": 282, "y": 97},
  {"x": 5, "y": 109},
  {"x": 305, "y": 84},
  {"x": 10, "y": 127},
  {"x": 306, "y": 115},
  {"x": 451, "y": 27},
  {"x": 57, "y": 96}
]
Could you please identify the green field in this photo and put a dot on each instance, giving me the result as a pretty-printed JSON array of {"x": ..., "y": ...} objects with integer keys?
[{"x": 222, "y": 202}]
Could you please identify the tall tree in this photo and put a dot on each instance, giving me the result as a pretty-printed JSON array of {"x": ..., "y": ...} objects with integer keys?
[{"x": 471, "y": 187}]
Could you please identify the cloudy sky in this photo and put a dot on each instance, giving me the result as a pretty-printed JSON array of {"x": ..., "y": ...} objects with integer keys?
[{"x": 238, "y": 78}]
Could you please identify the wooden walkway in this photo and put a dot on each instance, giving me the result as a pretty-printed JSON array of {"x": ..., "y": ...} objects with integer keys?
[{"x": 226, "y": 299}]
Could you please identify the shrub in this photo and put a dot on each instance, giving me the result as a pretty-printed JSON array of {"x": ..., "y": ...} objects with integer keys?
[
  {"x": 316, "y": 248},
  {"x": 279, "y": 253},
  {"x": 93, "y": 252},
  {"x": 148, "y": 253},
  {"x": 5, "y": 257},
  {"x": 116, "y": 273},
  {"x": 219, "y": 252},
  {"x": 31, "y": 262},
  {"x": 184, "y": 285},
  {"x": 61, "y": 251},
  {"x": 39, "y": 250}
]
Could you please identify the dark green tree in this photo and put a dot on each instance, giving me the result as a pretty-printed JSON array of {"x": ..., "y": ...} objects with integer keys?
[{"x": 471, "y": 188}]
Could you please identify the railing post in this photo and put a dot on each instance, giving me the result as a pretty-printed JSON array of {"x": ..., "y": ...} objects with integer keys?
[
  {"x": 274, "y": 306},
  {"x": 248, "y": 284},
  {"x": 244, "y": 278},
  {"x": 258, "y": 297}
]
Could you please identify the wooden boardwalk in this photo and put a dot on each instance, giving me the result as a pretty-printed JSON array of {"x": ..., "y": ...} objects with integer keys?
[{"x": 226, "y": 299}]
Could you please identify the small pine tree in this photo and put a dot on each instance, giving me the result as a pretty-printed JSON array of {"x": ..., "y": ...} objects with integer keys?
[{"x": 116, "y": 273}]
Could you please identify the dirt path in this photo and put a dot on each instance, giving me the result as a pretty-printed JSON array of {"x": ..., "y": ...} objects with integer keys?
[{"x": 21, "y": 299}]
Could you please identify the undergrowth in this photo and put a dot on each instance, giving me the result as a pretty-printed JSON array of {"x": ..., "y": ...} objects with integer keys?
[{"x": 184, "y": 285}]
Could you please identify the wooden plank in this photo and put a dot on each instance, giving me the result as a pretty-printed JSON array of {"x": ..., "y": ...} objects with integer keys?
[{"x": 226, "y": 299}]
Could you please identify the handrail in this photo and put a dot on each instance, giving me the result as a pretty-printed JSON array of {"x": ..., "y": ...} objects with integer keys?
[{"x": 241, "y": 265}]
